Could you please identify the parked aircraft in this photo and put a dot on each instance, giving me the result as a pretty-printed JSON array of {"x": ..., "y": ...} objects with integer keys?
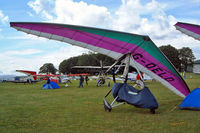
[{"x": 53, "y": 77}]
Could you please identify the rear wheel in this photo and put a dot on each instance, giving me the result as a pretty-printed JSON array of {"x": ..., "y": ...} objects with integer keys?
[{"x": 152, "y": 111}]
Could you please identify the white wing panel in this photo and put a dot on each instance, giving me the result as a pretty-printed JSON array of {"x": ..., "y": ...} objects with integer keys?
[{"x": 46, "y": 35}]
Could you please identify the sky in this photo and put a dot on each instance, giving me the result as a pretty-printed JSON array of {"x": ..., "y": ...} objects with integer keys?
[{"x": 155, "y": 18}]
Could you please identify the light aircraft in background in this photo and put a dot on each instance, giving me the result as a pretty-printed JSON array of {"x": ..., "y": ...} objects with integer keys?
[
  {"x": 63, "y": 78},
  {"x": 132, "y": 76}
]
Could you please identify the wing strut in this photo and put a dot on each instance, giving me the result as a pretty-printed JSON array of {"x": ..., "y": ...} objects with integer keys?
[
  {"x": 126, "y": 69},
  {"x": 108, "y": 107}
]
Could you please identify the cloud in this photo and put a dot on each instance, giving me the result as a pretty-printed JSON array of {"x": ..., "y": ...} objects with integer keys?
[
  {"x": 3, "y": 18},
  {"x": 196, "y": 1},
  {"x": 148, "y": 18},
  {"x": 80, "y": 13},
  {"x": 30, "y": 14},
  {"x": 68, "y": 11},
  {"x": 23, "y": 52},
  {"x": 42, "y": 7},
  {"x": 11, "y": 61}
]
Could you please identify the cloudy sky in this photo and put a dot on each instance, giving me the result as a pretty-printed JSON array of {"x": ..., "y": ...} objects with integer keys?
[{"x": 155, "y": 18}]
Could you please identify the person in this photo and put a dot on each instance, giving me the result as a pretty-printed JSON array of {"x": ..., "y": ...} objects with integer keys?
[
  {"x": 138, "y": 76},
  {"x": 81, "y": 81},
  {"x": 48, "y": 80},
  {"x": 29, "y": 81},
  {"x": 139, "y": 81},
  {"x": 86, "y": 79},
  {"x": 184, "y": 75}
]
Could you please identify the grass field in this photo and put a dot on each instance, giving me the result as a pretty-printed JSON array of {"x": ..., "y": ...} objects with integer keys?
[{"x": 30, "y": 109}]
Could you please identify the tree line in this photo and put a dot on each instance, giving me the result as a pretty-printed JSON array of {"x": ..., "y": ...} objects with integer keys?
[{"x": 180, "y": 58}]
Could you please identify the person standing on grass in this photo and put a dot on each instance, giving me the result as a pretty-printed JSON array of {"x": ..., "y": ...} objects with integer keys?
[
  {"x": 86, "y": 79},
  {"x": 138, "y": 76},
  {"x": 81, "y": 81}
]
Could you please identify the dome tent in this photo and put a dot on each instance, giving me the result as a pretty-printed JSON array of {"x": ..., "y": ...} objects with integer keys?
[
  {"x": 192, "y": 101},
  {"x": 50, "y": 85}
]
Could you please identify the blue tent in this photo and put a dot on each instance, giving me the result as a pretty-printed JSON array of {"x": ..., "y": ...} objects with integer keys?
[
  {"x": 50, "y": 85},
  {"x": 192, "y": 101}
]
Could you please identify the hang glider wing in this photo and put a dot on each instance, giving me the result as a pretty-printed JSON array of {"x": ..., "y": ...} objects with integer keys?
[
  {"x": 145, "y": 55},
  {"x": 35, "y": 75},
  {"x": 27, "y": 72},
  {"x": 189, "y": 29}
]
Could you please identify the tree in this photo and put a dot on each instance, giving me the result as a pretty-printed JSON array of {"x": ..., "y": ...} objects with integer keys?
[
  {"x": 172, "y": 54},
  {"x": 48, "y": 68},
  {"x": 186, "y": 57},
  {"x": 65, "y": 66},
  {"x": 90, "y": 59}
]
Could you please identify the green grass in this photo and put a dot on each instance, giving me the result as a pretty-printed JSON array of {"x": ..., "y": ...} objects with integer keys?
[{"x": 30, "y": 109}]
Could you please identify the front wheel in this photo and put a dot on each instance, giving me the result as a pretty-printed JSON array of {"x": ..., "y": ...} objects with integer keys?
[{"x": 99, "y": 83}]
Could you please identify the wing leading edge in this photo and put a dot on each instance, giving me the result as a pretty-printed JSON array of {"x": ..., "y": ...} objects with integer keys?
[{"x": 189, "y": 29}]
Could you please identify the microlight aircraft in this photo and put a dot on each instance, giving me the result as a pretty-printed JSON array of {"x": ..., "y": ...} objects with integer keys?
[
  {"x": 35, "y": 75},
  {"x": 44, "y": 76},
  {"x": 139, "y": 51}
]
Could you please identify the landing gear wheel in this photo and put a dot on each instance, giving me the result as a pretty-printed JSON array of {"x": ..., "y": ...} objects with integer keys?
[
  {"x": 152, "y": 111},
  {"x": 107, "y": 106}
]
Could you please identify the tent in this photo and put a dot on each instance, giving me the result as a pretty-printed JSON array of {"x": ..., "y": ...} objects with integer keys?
[
  {"x": 50, "y": 85},
  {"x": 192, "y": 101}
]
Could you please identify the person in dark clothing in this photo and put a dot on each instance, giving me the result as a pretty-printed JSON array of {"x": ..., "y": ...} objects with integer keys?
[
  {"x": 81, "y": 81},
  {"x": 48, "y": 80},
  {"x": 86, "y": 79}
]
